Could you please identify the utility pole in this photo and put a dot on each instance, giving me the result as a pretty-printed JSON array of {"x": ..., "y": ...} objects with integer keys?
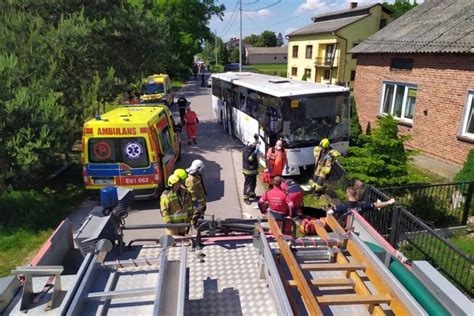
[
  {"x": 215, "y": 44},
  {"x": 240, "y": 37}
]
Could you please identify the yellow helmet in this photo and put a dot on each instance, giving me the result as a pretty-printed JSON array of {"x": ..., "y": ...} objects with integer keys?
[
  {"x": 324, "y": 143},
  {"x": 181, "y": 173},
  {"x": 172, "y": 180}
]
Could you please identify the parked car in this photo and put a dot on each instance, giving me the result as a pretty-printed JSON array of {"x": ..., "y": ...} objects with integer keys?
[{"x": 231, "y": 67}]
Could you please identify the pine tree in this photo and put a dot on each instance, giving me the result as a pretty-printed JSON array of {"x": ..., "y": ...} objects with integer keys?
[
  {"x": 382, "y": 159},
  {"x": 280, "y": 41}
]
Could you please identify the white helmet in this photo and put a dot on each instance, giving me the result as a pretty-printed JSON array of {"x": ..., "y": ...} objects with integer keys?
[{"x": 196, "y": 165}]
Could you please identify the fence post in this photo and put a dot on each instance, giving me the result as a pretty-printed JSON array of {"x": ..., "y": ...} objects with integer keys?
[
  {"x": 467, "y": 204},
  {"x": 394, "y": 227}
]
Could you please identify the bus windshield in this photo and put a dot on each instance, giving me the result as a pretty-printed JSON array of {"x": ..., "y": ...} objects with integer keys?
[
  {"x": 153, "y": 88},
  {"x": 307, "y": 119},
  {"x": 131, "y": 151}
]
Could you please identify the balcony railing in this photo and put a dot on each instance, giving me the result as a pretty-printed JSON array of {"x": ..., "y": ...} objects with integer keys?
[{"x": 324, "y": 62}]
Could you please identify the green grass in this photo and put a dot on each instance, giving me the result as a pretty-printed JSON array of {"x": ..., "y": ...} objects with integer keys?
[
  {"x": 216, "y": 68},
  {"x": 425, "y": 247},
  {"x": 310, "y": 200},
  {"x": 425, "y": 176},
  {"x": 177, "y": 84},
  {"x": 268, "y": 67},
  {"x": 465, "y": 243},
  {"x": 19, "y": 247},
  {"x": 28, "y": 217}
]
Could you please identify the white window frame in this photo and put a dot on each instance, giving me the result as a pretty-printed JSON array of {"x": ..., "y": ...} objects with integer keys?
[
  {"x": 406, "y": 86},
  {"x": 467, "y": 110}
]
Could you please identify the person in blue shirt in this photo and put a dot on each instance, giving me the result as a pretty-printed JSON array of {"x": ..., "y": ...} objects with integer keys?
[{"x": 353, "y": 204}]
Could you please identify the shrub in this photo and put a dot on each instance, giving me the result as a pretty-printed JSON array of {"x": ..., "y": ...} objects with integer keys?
[
  {"x": 466, "y": 174},
  {"x": 35, "y": 210},
  {"x": 381, "y": 160},
  {"x": 356, "y": 129}
]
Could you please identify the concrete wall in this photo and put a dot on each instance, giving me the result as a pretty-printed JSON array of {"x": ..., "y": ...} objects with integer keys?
[
  {"x": 442, "y": 81},
  {"x": 266, "y": 59}
]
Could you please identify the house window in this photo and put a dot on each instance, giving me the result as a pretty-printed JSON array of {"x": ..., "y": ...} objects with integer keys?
[
  {"x": 401, "y": 64},
  {"x": 309, "y": 51},
  {"x": 294, "y": 71},
  {"x": 398, "y": 100},
  {"x": 382, "y": 24},
  {"x": 295, "y": 51},
  {"x": 467, "y": 127},
  {"x": 353, "y": 75},
  {"x": 327, "y": 74},
  {"x": 307, "y": 73},
  {"x": 274, "y": 57}
]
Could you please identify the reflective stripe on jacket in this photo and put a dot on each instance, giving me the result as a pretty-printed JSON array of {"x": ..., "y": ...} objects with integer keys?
[
  {"x": 196, "y": 188},
  {"x": 249, "y": 162},
  {"x": 174, "y": 207}
]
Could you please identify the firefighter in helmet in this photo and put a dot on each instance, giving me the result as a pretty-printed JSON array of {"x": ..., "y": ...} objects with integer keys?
[
  {"x": 176, "y": 205},
  {"x": 324, "y": 157},
  {"x": 195, "y": 186},
  {"x": 182, "y": 175}
]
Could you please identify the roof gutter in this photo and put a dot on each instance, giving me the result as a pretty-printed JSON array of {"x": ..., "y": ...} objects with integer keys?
[{"x": 345, "y": 53}]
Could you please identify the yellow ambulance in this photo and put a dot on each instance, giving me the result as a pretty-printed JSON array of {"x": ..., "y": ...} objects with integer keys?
[
  {"x": 132, "y": 146},
  {"x": 157, "y": 88}
]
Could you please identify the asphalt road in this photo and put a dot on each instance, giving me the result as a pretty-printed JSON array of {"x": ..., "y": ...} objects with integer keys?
[{"x": 222, "y": 173}]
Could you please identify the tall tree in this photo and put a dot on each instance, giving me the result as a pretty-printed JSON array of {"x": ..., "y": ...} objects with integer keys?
[
  {"x": 400, "y": 7},
  {"x": 280, "y": 40},
  {"x": 267, "y": 39},
  {"x": 59, "y": 59},
  {"x": 252, "y": 39}
]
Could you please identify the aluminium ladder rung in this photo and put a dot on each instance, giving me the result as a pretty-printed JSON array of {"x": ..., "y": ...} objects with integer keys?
[
  {"x": 332, "y": 266},
  {"x": 327, "y": 282},
  {"x": 347, "y": 299}
]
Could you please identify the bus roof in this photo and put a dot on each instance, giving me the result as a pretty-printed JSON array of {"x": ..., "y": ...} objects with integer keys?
[
  {"x": 127, "y": 116},
  {"x": 277, "y": 86}
]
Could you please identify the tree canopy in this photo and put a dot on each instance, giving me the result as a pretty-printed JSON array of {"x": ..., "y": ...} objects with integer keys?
[
  {"x": 59, "y": 59},
  {"x": 400, "y": 7},
  {"x": 265, "y": 39}
]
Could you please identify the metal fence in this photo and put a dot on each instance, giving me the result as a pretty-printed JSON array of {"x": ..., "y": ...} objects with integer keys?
[
  {"x": 418, "y": 241},
  {"x": 439, "y": 205}
]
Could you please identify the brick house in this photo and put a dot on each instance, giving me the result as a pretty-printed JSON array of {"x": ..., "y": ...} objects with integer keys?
[{"x": 420, "y": 69}]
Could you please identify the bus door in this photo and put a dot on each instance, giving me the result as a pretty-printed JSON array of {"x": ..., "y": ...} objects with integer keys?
[{"x": 166, "y": 148}]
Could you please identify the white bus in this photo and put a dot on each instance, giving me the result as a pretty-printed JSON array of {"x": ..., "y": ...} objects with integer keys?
[{"x": 299, "y": 112}]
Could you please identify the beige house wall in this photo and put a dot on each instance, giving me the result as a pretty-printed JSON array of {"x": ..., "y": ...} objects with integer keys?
[{"x": 344, "y": 39}]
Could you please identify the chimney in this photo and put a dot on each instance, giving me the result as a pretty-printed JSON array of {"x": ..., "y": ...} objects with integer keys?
[{"x": 353, "y": 5}]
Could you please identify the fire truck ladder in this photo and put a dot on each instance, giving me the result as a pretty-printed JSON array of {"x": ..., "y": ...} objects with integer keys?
[{"x": 342, "y": 276}]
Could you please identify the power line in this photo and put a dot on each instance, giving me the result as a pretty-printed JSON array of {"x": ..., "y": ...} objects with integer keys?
[
  {"x": 265, "y": 7},
  {"x": 228, "y": 25},
  {"x": 253, "y": 22}
]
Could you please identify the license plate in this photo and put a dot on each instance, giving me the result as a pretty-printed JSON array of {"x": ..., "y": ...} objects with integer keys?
[{"x": 103, "y": 181}]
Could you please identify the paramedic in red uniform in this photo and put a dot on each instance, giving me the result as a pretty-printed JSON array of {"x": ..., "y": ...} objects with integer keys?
[
  {"x": 295, "y": 193},
  {"x": 276, "y": 202},
  {"x": 191, "y": 121},
  {"x": 276, "y": 159}
]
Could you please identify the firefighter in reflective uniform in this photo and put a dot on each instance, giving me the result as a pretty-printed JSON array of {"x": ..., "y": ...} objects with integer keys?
[
  {"x": 176, "y": 205},
  {"x": 196, "y": 188},
  {"x": 250, "y": 171},
  {"x": 324, "y": 158}
]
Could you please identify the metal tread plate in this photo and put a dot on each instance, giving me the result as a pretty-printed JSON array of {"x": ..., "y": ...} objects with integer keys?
[{"x": 225, "y": 282}]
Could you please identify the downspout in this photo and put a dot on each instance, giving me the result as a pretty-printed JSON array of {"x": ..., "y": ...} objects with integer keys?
[{"x": 345, "y": 54}]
